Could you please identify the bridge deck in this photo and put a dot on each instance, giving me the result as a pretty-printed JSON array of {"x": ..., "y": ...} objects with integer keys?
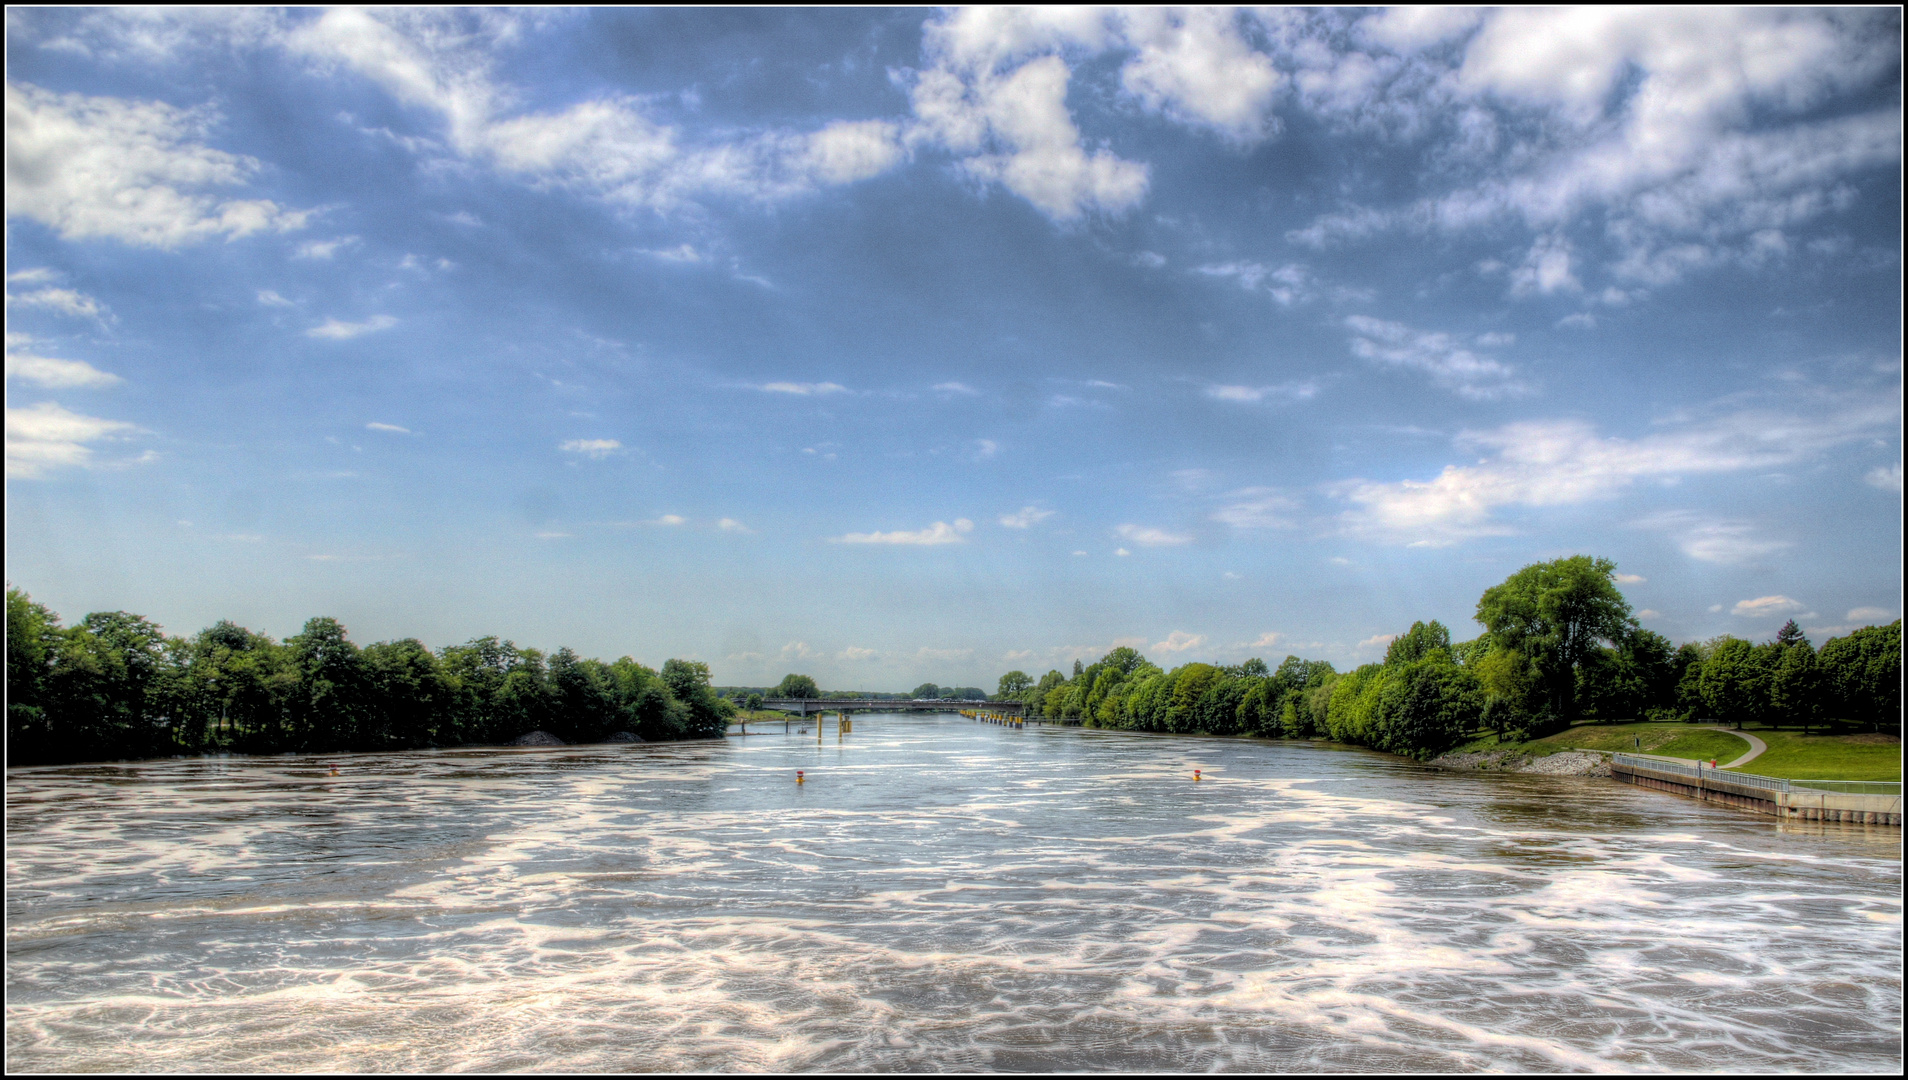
[{"x": 805, "y": 706}]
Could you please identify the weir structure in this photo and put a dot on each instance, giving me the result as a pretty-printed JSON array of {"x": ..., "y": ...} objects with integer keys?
[
  {"x": 808, "y": 706},
  {"x": 1861, "y": 801}
]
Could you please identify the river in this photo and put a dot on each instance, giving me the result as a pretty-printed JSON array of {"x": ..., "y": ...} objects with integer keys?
[{"x": 938, "y": 894}]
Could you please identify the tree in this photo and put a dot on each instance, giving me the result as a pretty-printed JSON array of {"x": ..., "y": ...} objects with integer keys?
[
  {"x": 688, "y": 682},
  {"x": 1734, "y": 682},
  {"x": 1556, "y": 613},
  {"x": 796, "y": 686},
  {"x": 1862, "y": 673},
  {"x": 1795, "y": 688},
  {"x": 1791, "y": 634},
  {"x": 1014, "y": 686},
  {"x": 754, "y": 702},
  {"x": 1417, "y": 643}
]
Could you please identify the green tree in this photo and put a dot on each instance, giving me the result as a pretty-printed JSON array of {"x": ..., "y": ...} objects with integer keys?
[
  {"x": 1014, "y": 686},
  {"x": 1862, "y": 674},
  {"x": 796, "y": 686},
  {"x": 33, "y": 640},
  {"x": 1795, "y": 687},
  {"x": 1556, "y": 613},
  {"x": 1418, "y": 642},
  {"x": 688, "y": 681},
  {"x": 1734, "y": 682}
]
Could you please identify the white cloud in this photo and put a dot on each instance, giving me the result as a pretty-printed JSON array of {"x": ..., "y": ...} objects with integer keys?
[
  {"x": 938, "y": 533},
  {"x": 322, "y": 249},
  {"x": 955, "y": 388},
  {"x": 925, "y": 653},
  {"x": 1377, "y": 641},
  {"x": 1077, "y": 553},
  {"x": 1713, "y": 539},
  {"x": 1121, "y": 552},
  {"x": 1266, "y": 640},
  {"x": 55, "y": 373},
  {"x": 65, "y": 301},
  {"x": 272, "y": 299},
  {"x": 1581, "y": 320},
  {"x": 799, "y": 650},
  {"x": 607, "y": 146},
  {"x": 376, "y": 425},
  {"x": 732, "y": 525},
  {"x": 1026, "y": 516},
  {"x": 102, "y": 167},
  {"x": 1763, "y": 606},
  {"x": 46, "y": 437},
  {"x": 594, "y": 449},
  {"x": 1257, "y": 508},
  {"x": 1630, "y": 579},
  {"x": 671, "y": 519},
  {"x": 1885, "y": 477},
  {"x": 1147, "y": 536},
  {"x": 1565, "y": 462},
  {"x": 555, "y": 536},
  {"x": 985, "y": 448},
  {"x": 1254, "y": 394},
  {"x": 805, "y": 389},
  {"x": 1179, "y": 641},
  {"x": 1446, "y": 358},
  {"x": 1649, "y": 613},
  {"x": 1546, "y": 269},
  {"x": 855, "y": 652},
  {"x": 338, "y": 330},
  {"x": 1870, "y": 615},
  {"x": 31, "y": 275}
]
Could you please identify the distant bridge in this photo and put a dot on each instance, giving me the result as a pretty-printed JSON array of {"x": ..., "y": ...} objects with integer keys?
[{"x": 805, "y": 706}]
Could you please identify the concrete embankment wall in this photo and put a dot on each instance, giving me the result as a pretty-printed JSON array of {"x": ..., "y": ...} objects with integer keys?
[{"x": 1802, "y": 804}]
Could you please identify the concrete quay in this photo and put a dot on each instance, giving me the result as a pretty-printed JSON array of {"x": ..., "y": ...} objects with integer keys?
[{"x": 1761, "y": 794}]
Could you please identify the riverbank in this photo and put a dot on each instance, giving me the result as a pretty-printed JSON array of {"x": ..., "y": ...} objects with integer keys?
[{"x": 1565, "y": 763}]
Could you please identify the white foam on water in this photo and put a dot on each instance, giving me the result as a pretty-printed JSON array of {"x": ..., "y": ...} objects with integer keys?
[{"x": 946, "y": 896}]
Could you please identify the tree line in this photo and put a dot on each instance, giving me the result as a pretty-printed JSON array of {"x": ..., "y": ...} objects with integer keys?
[
  {"x": 1560, "y": 646},
  {"x": 115, "y": 686}
]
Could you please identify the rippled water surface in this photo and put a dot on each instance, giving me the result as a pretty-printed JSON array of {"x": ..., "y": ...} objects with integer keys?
[{"x": 939, "y": 894}]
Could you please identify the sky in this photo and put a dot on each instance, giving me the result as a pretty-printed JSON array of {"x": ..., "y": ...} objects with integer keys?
[{"x": 892, "y": 346}]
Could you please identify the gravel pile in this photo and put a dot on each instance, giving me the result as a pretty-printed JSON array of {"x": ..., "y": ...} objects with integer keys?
[
  {"x": 624, "y": 736},
  {"x": 538, "y": 738},
  {"x": 1570, "y": 764}
]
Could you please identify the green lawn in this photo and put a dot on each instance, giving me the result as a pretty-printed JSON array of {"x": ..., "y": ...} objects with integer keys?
[
  {"x": 1797, "y": 756},
  {"x": 1791, "y": 754}
]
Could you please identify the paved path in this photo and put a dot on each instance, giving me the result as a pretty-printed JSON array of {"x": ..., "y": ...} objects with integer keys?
[{"x": 1756, "y": 747}]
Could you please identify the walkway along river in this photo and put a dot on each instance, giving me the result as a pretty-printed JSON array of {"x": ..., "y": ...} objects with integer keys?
[{"x": 939, "y": 893}]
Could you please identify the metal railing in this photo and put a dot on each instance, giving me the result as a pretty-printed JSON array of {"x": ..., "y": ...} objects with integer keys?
[{"x": 1767, "y": 783}]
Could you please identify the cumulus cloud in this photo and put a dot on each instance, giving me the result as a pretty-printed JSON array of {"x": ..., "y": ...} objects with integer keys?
[
  {"x": 46, "y": 437},
  {"x": 1764, "y": 606},
  {"x": 133, "y": 171},
  {"x": 608, "y": 146},
  {"x": 1448, "y": 359},
  {"x": 799, "y": 650},
  {"x": 1885, "y": 477},
  {"x": 322, "y": 249},
  {"x": 803, "y": 389},
  {"x": 52, "y": 372},
  {"x": 63, "y": 301},
  {"x": 1631, "y": 579},
  {"x": 339, "y": 330},
  {"x": 1024, "y": 517},
  {"x": 594, "y": 449},
  {"x": 1377, "y": 641},
  {"x": 1147, "y": 536},
  {"x": 1566, "y": 462},
  {"x": 1693, "y": 131},
  {"x": 1713, "y": 539},
  {"x": 1179, "y": 641},
  {"x": 938, "y": 533},
  {"x": 856, "y": 652},
  {"x": 1870, "y": 615}
]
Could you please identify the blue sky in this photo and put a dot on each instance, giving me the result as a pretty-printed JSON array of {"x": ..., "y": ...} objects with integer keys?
[{"x": 893, "y": 346}]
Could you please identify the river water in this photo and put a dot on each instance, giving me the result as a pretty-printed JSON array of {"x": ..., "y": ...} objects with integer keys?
[{"x": 939, "y": 894}]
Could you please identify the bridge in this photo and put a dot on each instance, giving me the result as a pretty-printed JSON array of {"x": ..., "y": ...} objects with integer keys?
[{"x": 805, "y": 706}]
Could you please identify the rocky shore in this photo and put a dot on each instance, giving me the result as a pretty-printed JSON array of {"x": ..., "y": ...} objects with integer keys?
[{"x": 1566, "y": 763}]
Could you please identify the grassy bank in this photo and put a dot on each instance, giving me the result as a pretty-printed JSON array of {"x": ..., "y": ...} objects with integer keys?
[
  {"x": 1797, "y": 756},
  {"x": 1791, "y": 754}
]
